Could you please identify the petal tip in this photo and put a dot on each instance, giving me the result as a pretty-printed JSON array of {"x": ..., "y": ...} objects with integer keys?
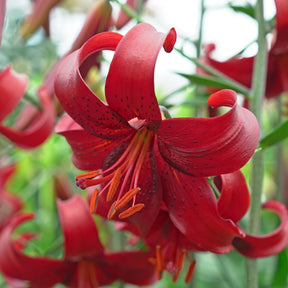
[{"x": 170, "y": 40}]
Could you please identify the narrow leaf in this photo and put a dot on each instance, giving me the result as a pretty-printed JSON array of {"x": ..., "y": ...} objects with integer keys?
[
  {"x": 278, "y": 134},
  {"x": 281, "y": 271}
]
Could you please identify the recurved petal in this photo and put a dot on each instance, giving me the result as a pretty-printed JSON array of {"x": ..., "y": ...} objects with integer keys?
[
  {"x": 41, "y": 271},
  {"x": 89, "y": 152},
  {"x": 192, "y": 207},
  {"x": 269, "y": 244},
  {"x": 210, "y": 146},
  {"x": 280, "y": 45},
  {"x": 80, "y": 232},
  {"x": 79, "y": 101},
  {"x": 33, "y": 127},
  {"x": 234, "y": 199},
  {"x": 130, "y": 81},
  {"x": 12, "y": 89}
]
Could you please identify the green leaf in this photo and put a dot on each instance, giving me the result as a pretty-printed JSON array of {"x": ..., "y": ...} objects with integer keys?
[
  {"x": 212, "y": 82},
  {"x": 247, "y": 9},
  {"x": 278, "y": 134},
  {"x": 281, "y": 271}
]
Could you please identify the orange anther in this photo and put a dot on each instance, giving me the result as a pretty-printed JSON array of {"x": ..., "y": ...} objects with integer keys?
[
  {"x": 180, "y": 258},
  {"x": 190, "y": 272},
  {"x": 176, "y": 275},
  {"x": 88, "y": 175},
  {"x": 126, "y": 198},
  {"x": 114, "y": 185},
  {"x": 111, "y": 211},
  {"x": 131, "y": 211},
  {"x": 159, "y": 262},
  {"x": 94, "y": 200}
]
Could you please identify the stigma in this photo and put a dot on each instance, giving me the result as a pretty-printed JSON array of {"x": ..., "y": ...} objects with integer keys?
[{"x": 120, "y": 181}]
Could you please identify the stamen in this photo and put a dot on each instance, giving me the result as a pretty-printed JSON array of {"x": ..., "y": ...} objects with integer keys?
[
  {"x": 94, "y": 201},
  {"x": 88, "y": 175},
  {"x": 180, "y": 258},
  {"x": 131, "y": 211},
  {"x": 114, "y": 185},
  {"x": 126, "y": 198},
  {"x": 111, "y": 211},
  {"x": 159, "y": 262},
  {"x": 190, "y": 272}
]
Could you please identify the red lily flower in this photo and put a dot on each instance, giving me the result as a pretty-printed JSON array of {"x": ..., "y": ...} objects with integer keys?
[
  {"x": 121, "y": 140},
  {"x": 240, "y": 68},
  {"x": 85, "y": 262},
  {"x": 172, "y": 246},
  {"x": 33, "y": 126},
  {"x": 9, "y": 204},
  {"x": 2, "y": 16}
]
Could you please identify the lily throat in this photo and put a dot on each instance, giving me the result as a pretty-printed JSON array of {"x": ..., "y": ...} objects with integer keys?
[{"x": 120, "y": 181}]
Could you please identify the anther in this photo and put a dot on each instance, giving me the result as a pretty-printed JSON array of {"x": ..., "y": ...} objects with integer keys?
[
  {"x": 159, "y": 262},
  {"x": 190, "y": 272},
  {"x": 131, "y": 211},
  {"x": 88, "y": 175},
  {"x": 111, "y": 211},
  {"x": 94, "y": 201},
  {"x": 126, "y": 198},
  {"x": 180, "y": 258},
  {"x": 114, "y": 185}
]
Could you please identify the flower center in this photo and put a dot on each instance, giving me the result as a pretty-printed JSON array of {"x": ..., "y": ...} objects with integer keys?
[{"x": 123, "y": 173}]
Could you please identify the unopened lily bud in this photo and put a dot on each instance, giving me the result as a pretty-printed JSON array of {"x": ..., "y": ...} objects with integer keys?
[
  {"x": 98, "y": 20},
  {"x": 38, "y": 17}
]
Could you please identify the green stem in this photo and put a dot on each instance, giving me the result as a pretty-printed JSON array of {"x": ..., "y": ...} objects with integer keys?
[
  {"x": 200, "y": 33},
  {"x": 258, "y": 92},
  {"x": 128, "y": 11}
]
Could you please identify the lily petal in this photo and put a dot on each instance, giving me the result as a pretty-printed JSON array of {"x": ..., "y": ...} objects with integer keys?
[
  {"x": 43, "y": 272},
  {"x": 38, "y": 129},
  {"x": 79, "y": 101},
  {"x": 12, "y": 89},
  {"x": 269, "y": 244},
  {"x": 210, "y": 146},
  {"x": 150, "y": 195},
  {"x": 38, "y": 17},
  {"x": 79, "y": 229},
  {"x": 234, "y": 199},
  {"x": 281, "y": 42},
  {"x": 192, "y": 207},
  {"x": 136, "y": 269},
  {"x": 89, "y": 152},
  {"x": 130, "y": 82}
]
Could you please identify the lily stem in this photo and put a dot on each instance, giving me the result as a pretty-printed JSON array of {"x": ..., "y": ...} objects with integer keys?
[{"x": 258, "y": 92}]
